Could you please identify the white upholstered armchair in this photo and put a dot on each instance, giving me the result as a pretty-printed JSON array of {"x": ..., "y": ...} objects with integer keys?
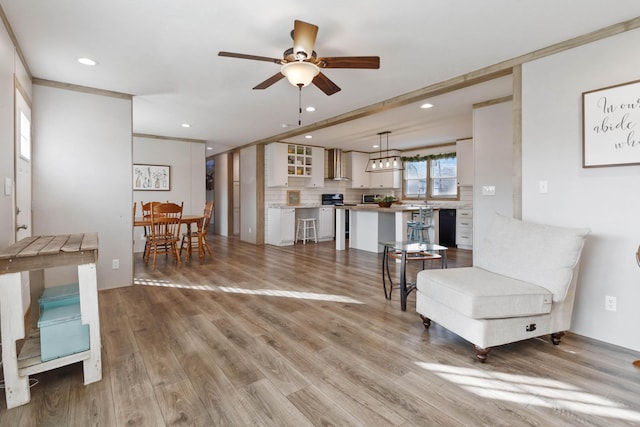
[{"x": 522, "y": 286}]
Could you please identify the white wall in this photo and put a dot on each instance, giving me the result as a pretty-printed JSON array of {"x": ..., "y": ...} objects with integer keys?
[
  {"x": 188, "y": 163},
  {"x": 493, "y": 166},
  {"x": 604, "y": 199},
  {"x": 248, "y": 193},
  {"x": 221, "y": 189},
  {"x": 82, "y": 176},
  {"x": 7, "y": 218}
]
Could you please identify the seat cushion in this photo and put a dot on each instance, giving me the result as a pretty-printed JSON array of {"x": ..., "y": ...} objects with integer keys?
[{"x": 481, "y": 294}]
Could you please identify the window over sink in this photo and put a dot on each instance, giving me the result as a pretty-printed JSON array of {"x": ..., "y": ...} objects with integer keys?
[{"x": 431, "y": 178}]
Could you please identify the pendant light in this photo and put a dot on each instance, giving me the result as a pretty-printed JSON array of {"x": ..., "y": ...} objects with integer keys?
[{"x": 384, "y": 163}]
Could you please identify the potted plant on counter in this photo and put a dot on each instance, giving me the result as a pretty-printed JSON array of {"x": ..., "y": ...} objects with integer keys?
[{"x": 385, "y": 202}]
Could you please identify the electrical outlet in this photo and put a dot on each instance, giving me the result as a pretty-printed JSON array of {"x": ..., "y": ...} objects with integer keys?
[
  {"x": 610, "y": 303},
  {"x": 115, "y": 264}
]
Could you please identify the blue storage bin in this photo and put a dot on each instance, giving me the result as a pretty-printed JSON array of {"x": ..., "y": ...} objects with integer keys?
[
  {"x": 59, "y": 295},
  {"x": 61, "y": 332}
]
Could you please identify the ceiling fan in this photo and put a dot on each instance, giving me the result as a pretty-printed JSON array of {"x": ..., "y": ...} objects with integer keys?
[{"x": 301, "y": 65}]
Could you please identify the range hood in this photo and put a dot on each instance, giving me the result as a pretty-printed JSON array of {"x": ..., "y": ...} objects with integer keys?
[{"x": 336, "y": 169}]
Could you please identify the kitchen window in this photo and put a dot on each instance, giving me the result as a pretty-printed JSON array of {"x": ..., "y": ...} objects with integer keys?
[
  {"x": 415, "y": 179},
  {"x": 431, "y": 178}
]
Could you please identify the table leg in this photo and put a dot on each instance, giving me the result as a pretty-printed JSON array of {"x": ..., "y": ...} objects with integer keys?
[
  {"x": 88, "y": 284},
  {"x": 200, "y": 241},
  {"x": 385, "y": 270},
  {"x": 403, "y": 281},
  {"x": 189, "y": 240},
  {"x": 12, "y": 327}
]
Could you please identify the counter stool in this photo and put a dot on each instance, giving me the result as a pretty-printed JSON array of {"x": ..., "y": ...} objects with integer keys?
[
  {"x": 418, "y": 231},
  {"x": 306, "y": 225}
]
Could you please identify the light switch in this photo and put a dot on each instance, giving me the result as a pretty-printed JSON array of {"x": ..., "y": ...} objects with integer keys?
[
  {"x": 488, "y": 190},
  {"x": 544, "y": 187},
  {"x": 7, "y": 186}
]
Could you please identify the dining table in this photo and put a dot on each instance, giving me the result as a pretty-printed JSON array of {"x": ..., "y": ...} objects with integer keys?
[{"x": 188, "y": 220}]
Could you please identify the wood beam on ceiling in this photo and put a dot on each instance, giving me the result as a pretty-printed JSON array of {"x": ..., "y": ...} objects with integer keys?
[{"x": 478, "y": 76}]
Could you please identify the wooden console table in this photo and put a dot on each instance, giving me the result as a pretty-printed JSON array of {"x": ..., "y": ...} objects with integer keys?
[{"x": 33, "y": 254}]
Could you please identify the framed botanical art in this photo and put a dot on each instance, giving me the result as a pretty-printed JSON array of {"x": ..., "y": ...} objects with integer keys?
[
  {"x": 293, "y": 197},
  {"x": 151, "y": 177},
  {"x": 610, "y": 126}
]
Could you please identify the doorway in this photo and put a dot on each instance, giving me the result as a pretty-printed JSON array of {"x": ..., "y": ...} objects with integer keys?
[{"x": 22, "y": 166}]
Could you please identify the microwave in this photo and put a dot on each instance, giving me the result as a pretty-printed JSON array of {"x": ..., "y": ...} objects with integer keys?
[{"x": 370, "y": 198}]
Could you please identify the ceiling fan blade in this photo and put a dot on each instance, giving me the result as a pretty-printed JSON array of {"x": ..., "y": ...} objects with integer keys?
[
  {"x": 304, "y": 38},
  {"x": 271, "y": 80},
  {"x": 324, "y": 84},
  {"x": 369, "y": 62},
  {"x": 253, "y": 57}
]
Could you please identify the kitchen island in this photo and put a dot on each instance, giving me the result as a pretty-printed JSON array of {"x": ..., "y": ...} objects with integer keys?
[{"x": 370, "y": 224}]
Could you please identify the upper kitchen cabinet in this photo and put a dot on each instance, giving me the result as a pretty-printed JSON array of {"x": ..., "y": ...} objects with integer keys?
[
  {"x": 464, "y": 154},
  {"x": 285, "y": 160},
  {"x": 277, "y": 158},
  {"x": 317, "y": 170},
  {"x": 386, "y": 179},
  {"x": 355, "y": 164}
]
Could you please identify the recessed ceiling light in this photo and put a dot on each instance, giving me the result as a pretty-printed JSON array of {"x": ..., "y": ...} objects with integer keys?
[
  {"x": 185, "y": 125},
  {"x": 209, "y": 148},
  {"x": 310, "y": 109},
  {"x": 375, "y": 145},
  {"x": 308, "y": 136},
  {"x": 87, "y": 61},
  {"x": 284, "y": 125},
  {"x": 426, "y": 105}
]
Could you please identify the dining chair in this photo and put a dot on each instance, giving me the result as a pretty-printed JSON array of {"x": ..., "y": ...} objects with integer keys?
[
  {"x": 146, "y": 214},
  {"x": 165, "y": 231},
  {"x": 189, "y": 238}
]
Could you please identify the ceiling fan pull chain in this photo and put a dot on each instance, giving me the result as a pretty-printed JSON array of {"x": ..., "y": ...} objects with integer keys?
[{"x": 300, "y": 105}]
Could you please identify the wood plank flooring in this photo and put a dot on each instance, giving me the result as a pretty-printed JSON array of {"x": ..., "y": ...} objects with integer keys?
[{"x": 302, "y": 335}]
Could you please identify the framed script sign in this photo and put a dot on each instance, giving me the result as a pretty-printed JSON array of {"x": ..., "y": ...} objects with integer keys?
[{"x": 611, "y": 126}]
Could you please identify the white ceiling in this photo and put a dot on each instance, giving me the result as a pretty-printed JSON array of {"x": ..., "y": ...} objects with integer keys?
[{"x": 164, "y": 52}]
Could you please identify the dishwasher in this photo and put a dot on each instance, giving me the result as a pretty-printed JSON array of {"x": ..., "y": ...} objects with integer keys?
[{"x": 447, "y": 228}]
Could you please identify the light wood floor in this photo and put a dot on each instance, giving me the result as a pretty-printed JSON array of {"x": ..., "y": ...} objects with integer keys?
[{"x": 303, "y": 336}]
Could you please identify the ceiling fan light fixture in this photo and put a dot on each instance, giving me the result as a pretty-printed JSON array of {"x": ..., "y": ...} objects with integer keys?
[{"x": 300, "y": 73}]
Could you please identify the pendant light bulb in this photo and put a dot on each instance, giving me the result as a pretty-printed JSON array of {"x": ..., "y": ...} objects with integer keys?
[
  {"x": 373, "y": 165},
  {"x": 395, "y": 162},
  {"x": 387, "y": 164}
]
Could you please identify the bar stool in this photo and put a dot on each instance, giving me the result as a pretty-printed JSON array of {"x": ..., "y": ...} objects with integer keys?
[
  {"x": 418, "y": 231},
  {"x": 306, "y": 225}
]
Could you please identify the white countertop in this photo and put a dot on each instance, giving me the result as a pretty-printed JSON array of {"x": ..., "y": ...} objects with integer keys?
[{"x": 301, "y": 206}]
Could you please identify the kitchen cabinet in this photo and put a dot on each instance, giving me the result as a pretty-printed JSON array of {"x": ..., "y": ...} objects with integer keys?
[
  {"x": 299, "y": 161},
  {"x": 281, "y": 226},
  {"x": 387, "y": 179},
  {"x": 317, "y": 171},
  {"x": 326, "y": 223},
  {"x": 464, "y": 228},
  {"x": 355, "y": 164},
  {"x": 464, "y": 158},
  {"x": 285, "y": 160},
  {"x": 276, "y": 154}
]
